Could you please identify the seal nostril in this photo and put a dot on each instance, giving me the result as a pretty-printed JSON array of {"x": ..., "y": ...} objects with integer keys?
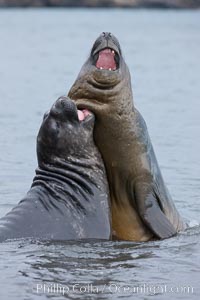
[{"x": 106, "y": 35}]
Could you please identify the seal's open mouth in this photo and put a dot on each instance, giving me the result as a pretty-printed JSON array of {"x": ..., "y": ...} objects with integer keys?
[
  {"x": 107, "y": 59},
  {"x": 83, "y": 114}
]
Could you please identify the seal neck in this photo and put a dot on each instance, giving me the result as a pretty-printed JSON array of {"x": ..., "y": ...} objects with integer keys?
[
  {"x": 80, "y": 175},
  {"x": 99, "y": 92}
]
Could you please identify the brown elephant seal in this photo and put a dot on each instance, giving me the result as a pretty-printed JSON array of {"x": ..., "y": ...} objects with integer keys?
[
  {"x": 141, "y": 205},
  {"x": 69, "y": 196}
]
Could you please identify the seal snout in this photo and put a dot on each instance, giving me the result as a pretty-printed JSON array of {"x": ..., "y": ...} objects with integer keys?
[
  {"x": 106, "y": 35},
  {"x": 106, "y": 52},
  {"x": 65, "y": 109}
]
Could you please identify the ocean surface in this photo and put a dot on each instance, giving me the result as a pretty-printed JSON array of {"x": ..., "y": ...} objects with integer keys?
[{"x": 41, "y": 53}]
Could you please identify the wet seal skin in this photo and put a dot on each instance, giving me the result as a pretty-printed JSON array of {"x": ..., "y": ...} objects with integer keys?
[
  {"x": 142, "y": 208},
  {"x": 69, "y": 196}
]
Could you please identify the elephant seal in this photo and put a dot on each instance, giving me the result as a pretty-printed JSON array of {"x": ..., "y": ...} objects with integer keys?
[
  {"x": 142, "y": 208},
  {"x": 69, "y": 196}
]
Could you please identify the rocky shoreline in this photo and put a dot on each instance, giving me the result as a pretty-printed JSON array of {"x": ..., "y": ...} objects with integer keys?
[{"x": 176, "y": 4}]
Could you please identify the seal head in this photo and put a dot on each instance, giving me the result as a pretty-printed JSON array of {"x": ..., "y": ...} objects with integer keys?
[{"x": 65, "y": 133}]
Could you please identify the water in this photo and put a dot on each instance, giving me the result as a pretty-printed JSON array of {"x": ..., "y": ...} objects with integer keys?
[{"x": 40, "y": 55}]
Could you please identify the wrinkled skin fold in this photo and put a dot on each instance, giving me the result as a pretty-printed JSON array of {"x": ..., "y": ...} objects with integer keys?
[
  {"x": 69, "y": 196},
  {"x": 142, "y": 207}
]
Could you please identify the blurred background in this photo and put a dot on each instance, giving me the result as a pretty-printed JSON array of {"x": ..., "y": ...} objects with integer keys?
[{"x": 41, "y": 53}]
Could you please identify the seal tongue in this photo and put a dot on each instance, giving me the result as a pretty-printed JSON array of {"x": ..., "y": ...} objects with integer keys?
[
  {"x": 106, "y": 60},
  {"x": 82, "y": 114}
]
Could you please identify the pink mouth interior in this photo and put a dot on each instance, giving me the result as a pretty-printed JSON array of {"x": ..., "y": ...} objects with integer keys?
[
  {"x": 82, "y": 114},
  {"x": 106, "y": 60}
]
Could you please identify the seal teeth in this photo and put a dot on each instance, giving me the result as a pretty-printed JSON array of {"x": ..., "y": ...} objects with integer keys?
[
  {"x": 113, "y": 51},
  {"x": 110, "y": 69},
  {"x": 101, "y": 68}
]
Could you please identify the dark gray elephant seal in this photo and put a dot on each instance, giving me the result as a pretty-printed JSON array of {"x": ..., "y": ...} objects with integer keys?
[
  {"x": 69, "y": 197},
  {"x": 141, "y": 205}
]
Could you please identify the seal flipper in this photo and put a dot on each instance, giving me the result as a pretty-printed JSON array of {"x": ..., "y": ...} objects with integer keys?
[{"x": 151, "y": 212}]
